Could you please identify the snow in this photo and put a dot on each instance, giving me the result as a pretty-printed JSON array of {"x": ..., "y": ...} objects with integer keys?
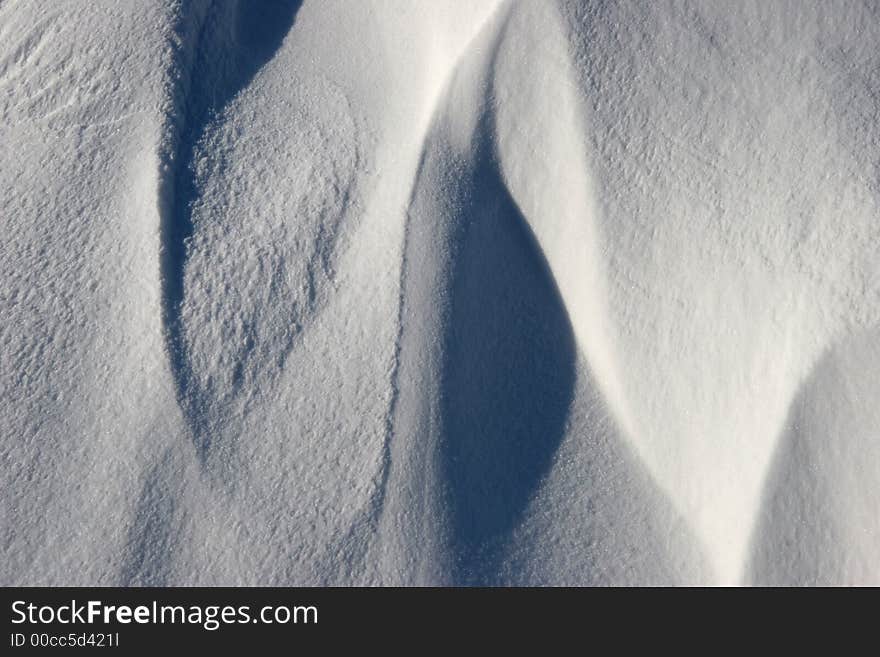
[{"x": 385, "y": 292}]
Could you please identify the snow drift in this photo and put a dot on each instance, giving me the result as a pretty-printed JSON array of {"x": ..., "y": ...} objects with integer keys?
[{"x": 508, "y": 292}]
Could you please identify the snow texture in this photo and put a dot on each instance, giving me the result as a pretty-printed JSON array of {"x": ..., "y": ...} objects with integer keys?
[{"x": 412, "y": 292}]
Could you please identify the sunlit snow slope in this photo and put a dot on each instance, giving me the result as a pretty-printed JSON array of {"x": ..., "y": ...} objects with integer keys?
[{"x": 417, "y": 292}]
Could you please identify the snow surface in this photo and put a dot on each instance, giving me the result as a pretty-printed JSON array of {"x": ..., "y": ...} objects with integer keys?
[{"x": 417, "y": 292}]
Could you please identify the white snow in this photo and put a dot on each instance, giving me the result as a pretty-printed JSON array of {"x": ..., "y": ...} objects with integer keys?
[{"x": 416, "y": 292}]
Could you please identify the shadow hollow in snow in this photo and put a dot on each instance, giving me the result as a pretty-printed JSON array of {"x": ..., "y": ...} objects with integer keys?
[
  {"x": 509, "y": 377},
  {"x": 224, "y": 45}
]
